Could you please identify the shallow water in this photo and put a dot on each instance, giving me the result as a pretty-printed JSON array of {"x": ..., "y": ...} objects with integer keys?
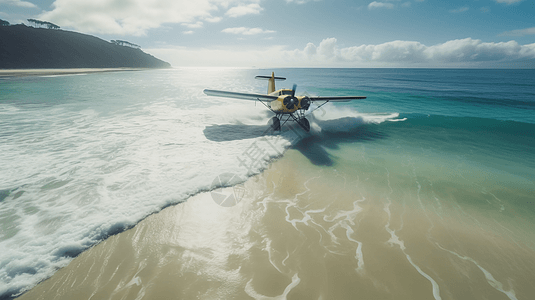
[
  {"x": 308, "y": 232},
  {"x": 425, "y": 189}
]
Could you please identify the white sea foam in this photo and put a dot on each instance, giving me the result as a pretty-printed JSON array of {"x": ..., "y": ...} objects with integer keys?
[
  {"x": 337, "y": 118},
  {"x": 249, "y": 289},
  {"x": 8, "y": 109}
]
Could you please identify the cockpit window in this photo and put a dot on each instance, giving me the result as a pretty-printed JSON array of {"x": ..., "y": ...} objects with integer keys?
[{"x": 286, "y": 92}]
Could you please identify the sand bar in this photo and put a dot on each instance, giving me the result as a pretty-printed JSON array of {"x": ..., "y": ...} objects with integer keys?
[{"x": 45, "y": 72}]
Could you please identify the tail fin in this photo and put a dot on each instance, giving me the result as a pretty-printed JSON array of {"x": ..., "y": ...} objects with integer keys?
[{"x": 271, "y": 81}]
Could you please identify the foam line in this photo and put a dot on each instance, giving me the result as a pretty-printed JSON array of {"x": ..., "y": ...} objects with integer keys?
[
  {"x": 358, "y": 251},
  {"x": 270, "y": 256},
  {"x": 306, "y": 216},
  {"x": 394, "y": 239},
  {"x": 347, "y": 213},
  {"x": 286, "y": 258},
  {"x": 249, "y": 289},
  {"x": 436, "y": 290},
  {"x": 490, "y": 279}
]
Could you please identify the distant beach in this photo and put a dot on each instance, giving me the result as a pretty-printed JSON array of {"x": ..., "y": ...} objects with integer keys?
[{"x": 46, "y": 72}]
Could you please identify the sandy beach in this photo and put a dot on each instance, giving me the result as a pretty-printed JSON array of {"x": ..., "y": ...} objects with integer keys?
[
  {"x": 47, "y": 72},
  {"x": 299, "y": 232}
]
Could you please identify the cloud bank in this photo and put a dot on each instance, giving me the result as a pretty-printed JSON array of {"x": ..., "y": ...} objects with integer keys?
[
  {"x": 409, "y": 52},
  {"x": 405, "y": 53},
  {"x": 135, "y": 17},
  {"x": 466, "y": 52}
]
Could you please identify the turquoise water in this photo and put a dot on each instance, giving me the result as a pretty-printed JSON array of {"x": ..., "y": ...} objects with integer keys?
[{"x": 84, "y": 157}]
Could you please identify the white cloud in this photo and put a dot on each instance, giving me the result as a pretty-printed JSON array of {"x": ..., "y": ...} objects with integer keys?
[
  {"x": 508, "y": 2},
  {"x": 327, "y": 48},
  {"x": 460, "y": 9},
  {"x": 19, "y": 3},
  {"x": 469, "y": 50},
  {"x": 519, "y": 32},
  {"x": 242, "y": 10},
  {"x": 194, "y": 25},
  {"x": 213, "y": 20},
  {"x": 188, "y": 32},
  {"x": 246, "y": 30},
  {"x": 376, "y": 4},
  {"x": 396, "y": 51},
  {"x": 135, "y": 17}
]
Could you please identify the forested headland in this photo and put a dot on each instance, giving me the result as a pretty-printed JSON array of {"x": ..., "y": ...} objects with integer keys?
[{"x": 24, "y": 47}]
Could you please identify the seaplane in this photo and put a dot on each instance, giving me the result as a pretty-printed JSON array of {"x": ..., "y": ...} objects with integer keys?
[{"x": 283, "y": 102}]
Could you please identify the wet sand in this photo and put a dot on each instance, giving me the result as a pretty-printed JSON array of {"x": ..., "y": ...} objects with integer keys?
[
  {"x": 301, "y": 232},
  {"x": 48, "y": 72}
]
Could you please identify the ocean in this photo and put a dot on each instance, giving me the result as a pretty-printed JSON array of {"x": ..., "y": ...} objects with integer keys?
[{"x": 131, "y": 185}]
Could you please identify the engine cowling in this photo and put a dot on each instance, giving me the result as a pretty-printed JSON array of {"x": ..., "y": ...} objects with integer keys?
[
  {"x": 290, "y": 102},
  {"x": 304, "y": 103}
]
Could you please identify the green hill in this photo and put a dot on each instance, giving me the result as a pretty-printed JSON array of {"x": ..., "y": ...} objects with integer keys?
[{"x": 23, "y": 47}]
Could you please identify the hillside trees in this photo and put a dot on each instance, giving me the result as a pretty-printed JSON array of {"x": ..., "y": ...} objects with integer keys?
[
  {"x": 4, "y": 23},
  {"x": 38, "y": 23},
  {"x": 125, "y": 43}
]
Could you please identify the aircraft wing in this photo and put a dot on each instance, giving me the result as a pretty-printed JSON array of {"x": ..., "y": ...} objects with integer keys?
[
  {"x": 243, "y": 96},
  {"x": 337, "y": 98}
]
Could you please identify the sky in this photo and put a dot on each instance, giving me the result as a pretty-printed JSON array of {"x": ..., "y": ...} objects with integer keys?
[{"x": 304, "y": 33}]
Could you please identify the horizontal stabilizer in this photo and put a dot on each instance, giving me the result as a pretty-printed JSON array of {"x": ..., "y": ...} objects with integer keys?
[{"x": 269, "y": 77}]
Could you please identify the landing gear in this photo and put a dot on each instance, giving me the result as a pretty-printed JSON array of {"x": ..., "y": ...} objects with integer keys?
[
  {"x": 303, "y": 122},
  {"x": 275, "y": 123}
]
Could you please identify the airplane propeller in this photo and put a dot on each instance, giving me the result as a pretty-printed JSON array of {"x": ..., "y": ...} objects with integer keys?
[{"x": 291, "y": 101}]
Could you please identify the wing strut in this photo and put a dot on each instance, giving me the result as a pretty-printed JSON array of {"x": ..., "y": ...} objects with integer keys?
[{"x": 319, "y": 106}]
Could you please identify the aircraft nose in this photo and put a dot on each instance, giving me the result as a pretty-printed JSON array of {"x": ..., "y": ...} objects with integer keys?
[{"x": 290, "y": 102}]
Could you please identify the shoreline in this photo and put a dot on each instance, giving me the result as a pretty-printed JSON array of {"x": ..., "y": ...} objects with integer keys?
[
  {"x": 5, "y": 73},
  {"x": 295, "y": 221}
]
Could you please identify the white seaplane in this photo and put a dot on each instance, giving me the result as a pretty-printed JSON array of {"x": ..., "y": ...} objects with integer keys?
[{"x": 283, "y": 102}]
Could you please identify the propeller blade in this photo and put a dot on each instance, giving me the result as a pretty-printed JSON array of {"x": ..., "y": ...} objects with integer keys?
[{"x": 293, "y": 89}]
